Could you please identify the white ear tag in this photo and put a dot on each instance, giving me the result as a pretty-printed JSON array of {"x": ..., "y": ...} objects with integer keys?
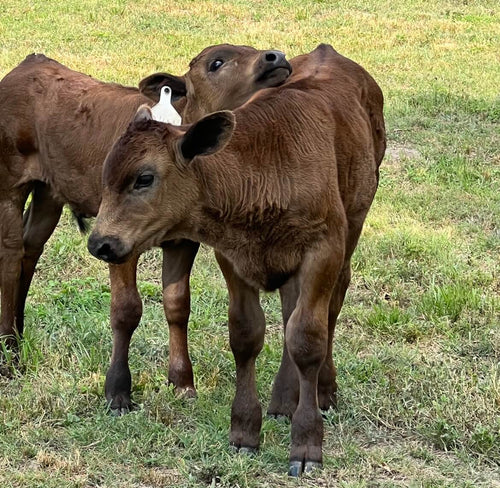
[{"x": 164, "y": 111}]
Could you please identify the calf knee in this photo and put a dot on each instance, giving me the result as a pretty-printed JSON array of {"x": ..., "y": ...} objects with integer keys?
[
  {"x": 246, "y": 333},
  {"x": 126, "y": 312},
  {"x": 176, "y": 303},
  {"x": 307, "y": 340}
]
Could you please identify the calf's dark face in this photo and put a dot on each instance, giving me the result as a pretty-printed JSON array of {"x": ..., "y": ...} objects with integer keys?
[{"x": 149, "y": 185}]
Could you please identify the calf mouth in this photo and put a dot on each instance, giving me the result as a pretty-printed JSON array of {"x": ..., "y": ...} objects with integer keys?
[{"x": 276, "y": 75}]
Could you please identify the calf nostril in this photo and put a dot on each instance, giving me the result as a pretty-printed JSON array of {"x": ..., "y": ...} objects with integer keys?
[
  {"x": 110, "y": 249},
  {"x": 104, "y": 250},
  {"x": 271, "y": 57}
]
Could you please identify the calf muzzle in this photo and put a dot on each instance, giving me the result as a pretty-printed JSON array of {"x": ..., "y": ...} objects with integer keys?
[
  {"x": 274, "y": 58},
  {"x": 273, "y": 64},
  {"x": 108, "y": 248}
]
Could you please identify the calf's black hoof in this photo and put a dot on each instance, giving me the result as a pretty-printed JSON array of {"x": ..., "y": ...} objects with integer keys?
[
  {"x": 278, "y": 416},
  {"x": 248, "y": 451},
  {"x": 299, "y": 467},
  {"x": 121, "y": 405},
  {"x": 187, "y": 393},
  {"x": 295, "y": 469},
  {"x": 118, "y": 412},
  {"x": 6, "y": 372},
  {"x": 311, "y": 466}
]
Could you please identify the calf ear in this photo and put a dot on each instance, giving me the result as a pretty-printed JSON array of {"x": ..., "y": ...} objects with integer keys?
[
  {"x": 152, "y": 85},
  {"x": 207, "y": 136},
  {"x": 143, "y": 113}
]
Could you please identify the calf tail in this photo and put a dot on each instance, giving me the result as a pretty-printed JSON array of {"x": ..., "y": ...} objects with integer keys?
[{"x": 82, "y": 221}]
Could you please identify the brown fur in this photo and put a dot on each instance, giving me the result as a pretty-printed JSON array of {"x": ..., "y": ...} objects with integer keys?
[
  {"x": 283, "y": 204},
  {"x": 56, "y": 123},
  {"x": 55, "y": 130}
]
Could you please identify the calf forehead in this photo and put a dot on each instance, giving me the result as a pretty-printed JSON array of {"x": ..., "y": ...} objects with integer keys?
[
  {"x": 136, "y": 147},
  {"x": 222, "y": 50}
]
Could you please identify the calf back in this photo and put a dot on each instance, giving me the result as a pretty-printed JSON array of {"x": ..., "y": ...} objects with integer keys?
[{"x": 57, "y": 126}]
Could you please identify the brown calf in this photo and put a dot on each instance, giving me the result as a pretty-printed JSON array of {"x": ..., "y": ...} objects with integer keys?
[
  {"x": 206, "y": 84},
  {"x": 55, "y": 130},
  {"x": 281, "y": 190}
]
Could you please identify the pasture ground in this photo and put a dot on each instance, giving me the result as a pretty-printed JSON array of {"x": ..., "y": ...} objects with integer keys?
[{"x": 418, "y": 341}]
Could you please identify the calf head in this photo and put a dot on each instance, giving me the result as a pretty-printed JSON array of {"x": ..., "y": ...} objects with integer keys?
[
  {"x": 150, "y": 187},
  {"x": 221, "y": 77}
]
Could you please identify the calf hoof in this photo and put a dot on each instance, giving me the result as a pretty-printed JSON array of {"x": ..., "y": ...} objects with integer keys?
[
  {"x": 185, "y": 392},
  {"x": 118, "y": 412},
  {"x": 299, "y": 467},
  {"x": 6, "y": 372},
  {"x": 281, "y": 408},
  {"x": 310, "y": 466},
  {"x": 247, "y": 451},
  {"x": 10, "y": 362},
  {"x": 278, "y": 416},
  {"x": 120, "y": 405},
  {"x": 327, "y": 399},
  {"x": 9, "y": 342}
]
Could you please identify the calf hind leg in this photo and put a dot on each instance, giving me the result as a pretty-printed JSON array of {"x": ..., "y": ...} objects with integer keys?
[
  {"x": 178, "y": 258},
  {"x": 40, "y": 220},
  {"x": 285, "y": 394}
]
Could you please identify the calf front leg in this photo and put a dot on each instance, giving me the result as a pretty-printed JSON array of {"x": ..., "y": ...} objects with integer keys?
[
  {"x": 11, "y": 254},
  {"x": 246, "y": 335},
  {"x": 307, "y": 341},
  {"x": 285, "y": 394},
  {"x": 178, "y": 258},
  {"x": 126, "y": 311}
]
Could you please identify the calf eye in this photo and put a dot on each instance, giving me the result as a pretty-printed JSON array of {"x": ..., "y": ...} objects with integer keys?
[
  {"x": 143, "y": 181},
  {"x": 215, "y": 65}
]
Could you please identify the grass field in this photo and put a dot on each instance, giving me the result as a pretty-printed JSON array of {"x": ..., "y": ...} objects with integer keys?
[{"x": 418, "y": 341}]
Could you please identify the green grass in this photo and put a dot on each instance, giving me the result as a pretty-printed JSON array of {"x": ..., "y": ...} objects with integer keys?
[{"x": 418, "y": 342}]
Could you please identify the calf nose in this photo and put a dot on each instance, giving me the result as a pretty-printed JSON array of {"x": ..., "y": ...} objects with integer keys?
[
  {"x": 273, "y": 57},
  {"x": 109, "y": 249}
]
